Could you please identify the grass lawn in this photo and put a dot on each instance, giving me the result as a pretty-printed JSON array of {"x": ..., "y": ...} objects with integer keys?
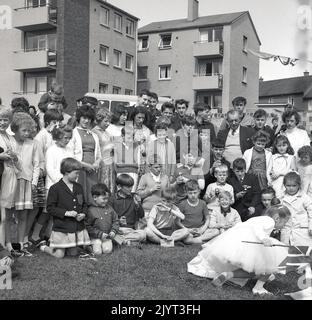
[{"x": 147, "y": 272}]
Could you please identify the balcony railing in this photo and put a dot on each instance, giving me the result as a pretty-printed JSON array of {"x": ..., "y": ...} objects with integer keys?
[
  {"x": 208, "y": 48},
  {"x": 35, "y": 17},
  {"x": 207, "y": 81},
  {"x": 35, "y": 59}
]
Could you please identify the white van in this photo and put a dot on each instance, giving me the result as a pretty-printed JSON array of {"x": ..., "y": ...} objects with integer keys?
[{"x": 110, "y": 101}]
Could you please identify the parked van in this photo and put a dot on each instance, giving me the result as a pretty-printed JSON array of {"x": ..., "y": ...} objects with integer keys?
[{"x": 110, "y": 101}]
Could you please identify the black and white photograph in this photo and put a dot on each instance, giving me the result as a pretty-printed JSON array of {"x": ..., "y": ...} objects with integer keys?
[{"x": 155, "y": 154}]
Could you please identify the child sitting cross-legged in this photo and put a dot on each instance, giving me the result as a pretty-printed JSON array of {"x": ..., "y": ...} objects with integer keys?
[
  {"x": 161, "y": 223},
  {"x": 128, "y": 209},
  {"x": 223, "y": 217},
  {"x": 102, "y": 220},
  {"x": 196, "y": 216},
  {"x": 213, "y": 189}
]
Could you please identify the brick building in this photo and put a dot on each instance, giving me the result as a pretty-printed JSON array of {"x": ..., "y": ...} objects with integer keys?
[
  {"x": 297, "y": 91},
  {"x": 85, "y": 45}
]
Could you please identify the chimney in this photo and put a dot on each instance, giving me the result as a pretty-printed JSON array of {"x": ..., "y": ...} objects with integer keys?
[
  {"x": 192, "y": 10},
  {"x": 306, "y": 73}
]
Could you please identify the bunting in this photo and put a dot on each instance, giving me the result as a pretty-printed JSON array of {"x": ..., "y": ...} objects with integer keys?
[{"x": 283, "y": 60}]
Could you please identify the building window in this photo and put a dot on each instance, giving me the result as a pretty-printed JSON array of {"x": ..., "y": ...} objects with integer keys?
[
  {"x": 128, "y": 92},
  {"x": 165, "y": 72},
  {"x": 129, "y": 62},
  {"x": 103, "y": 88},
  {"x": 37, "y": 83},
  {"x": 211, "y": 34},
  {"x": 35, "y": 3},
  {"x": 142, "y": 73},
  {"x": 104, "y": 54},
  {"x": 118, "y": 22},
  {"x": 130, "y": 28},
  {"x": 104, "y": 16},
  {"x": 117, "y": 59},
  {"x": 213, "y": 100},
  {"x": 244, "y": 80},
  {"x": 143, "y": 43},
  {"x": 208, "y": 68},
  {"x": 165, "y": 41},
  {"x": 245, "y": 44},
  {"x": 36, "y": 41},
  {"x": 116, "y": 90}
]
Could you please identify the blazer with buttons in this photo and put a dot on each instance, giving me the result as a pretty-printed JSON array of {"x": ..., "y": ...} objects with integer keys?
[{"x": 62, "y": 199}]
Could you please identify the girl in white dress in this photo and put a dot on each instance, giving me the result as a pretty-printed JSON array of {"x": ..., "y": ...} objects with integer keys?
[
  {"x": 304, "y": 166},
  {"x": 230, "y": 256},
  {"x": 283, "y": 161}
]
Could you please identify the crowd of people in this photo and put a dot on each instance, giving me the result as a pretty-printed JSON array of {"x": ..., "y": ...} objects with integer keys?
[{"x": 81, "y": 184}]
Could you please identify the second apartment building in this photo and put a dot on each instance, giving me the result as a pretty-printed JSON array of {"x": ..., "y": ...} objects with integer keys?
[
  {"x": 201, "y": 59},
  {"x": 85, "y": 45}
]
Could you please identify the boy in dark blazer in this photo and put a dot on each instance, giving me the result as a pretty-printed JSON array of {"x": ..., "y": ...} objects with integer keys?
[
  {"x": 246, "y": 190},
  {"x": 67, "y": 206}
]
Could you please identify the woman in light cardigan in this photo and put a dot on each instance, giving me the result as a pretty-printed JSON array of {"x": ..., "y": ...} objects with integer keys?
[
  {"x": 85, "y": 146},
  {"x": 297, "y": 137}
]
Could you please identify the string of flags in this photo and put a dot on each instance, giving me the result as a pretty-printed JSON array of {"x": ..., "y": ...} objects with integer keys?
[{"x": 283, "y": 60}]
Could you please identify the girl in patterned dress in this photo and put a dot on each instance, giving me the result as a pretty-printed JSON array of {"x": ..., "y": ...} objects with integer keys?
[
  {"x": 141, "y": 136},
  {"x": 86, "y": 149},
  {"x": 10, "y": 168},
  {"x": 106, "y": 170},
  {"x": 283, "y": 161},
  {"x": 27, "y": 178},
  {"x": 52, "y": 118}
]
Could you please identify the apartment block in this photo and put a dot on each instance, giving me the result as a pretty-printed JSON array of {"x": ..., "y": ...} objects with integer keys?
[
  {"x": 84, "y": 45},
  {"x": 200, "y": 59}
]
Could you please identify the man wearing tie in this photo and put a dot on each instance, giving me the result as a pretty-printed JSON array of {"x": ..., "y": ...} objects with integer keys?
[{"x": 235, "y": 137}]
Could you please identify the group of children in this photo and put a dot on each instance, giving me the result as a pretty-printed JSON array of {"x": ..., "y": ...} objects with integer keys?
[{"x": 82, "y": 191}]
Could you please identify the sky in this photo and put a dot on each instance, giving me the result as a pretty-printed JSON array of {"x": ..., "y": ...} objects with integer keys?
[{"x": 284, "y": 26}]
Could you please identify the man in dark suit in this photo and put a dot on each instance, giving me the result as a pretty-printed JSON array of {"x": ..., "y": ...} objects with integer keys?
[{"x": 236, "y": 138}]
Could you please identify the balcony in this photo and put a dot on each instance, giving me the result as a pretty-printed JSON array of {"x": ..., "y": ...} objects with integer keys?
[
  {"x": 208, "y": 49},
  {"x": 208, "y": 82},
  {"x": 42, "y": 60},
  {"x": 35, "y": 18}
]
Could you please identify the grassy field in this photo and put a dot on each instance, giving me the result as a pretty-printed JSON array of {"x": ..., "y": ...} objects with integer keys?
[{"x": 147, "y": 272}]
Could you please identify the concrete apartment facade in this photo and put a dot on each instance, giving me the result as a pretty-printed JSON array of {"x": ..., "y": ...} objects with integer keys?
[
  {"x": 85, "y": 45},
  {"x": 204, "y": 60}
]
